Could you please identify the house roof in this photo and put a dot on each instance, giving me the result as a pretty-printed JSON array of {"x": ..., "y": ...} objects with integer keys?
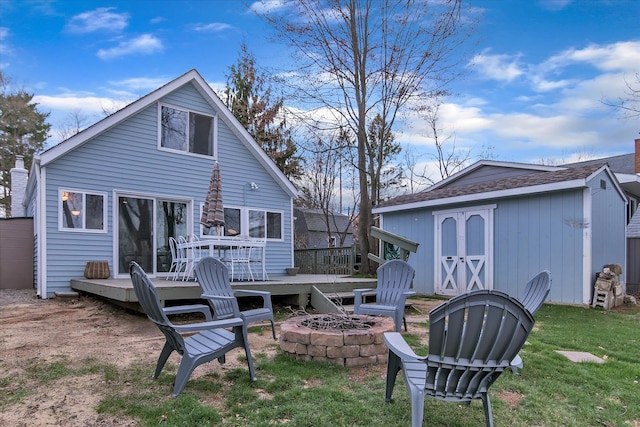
[
  {"x": 315, "y": 220},
  {"x": 205, "y": 90},
  {"x": 625, "y": 163},
  {"x": 553, "y": 179}
]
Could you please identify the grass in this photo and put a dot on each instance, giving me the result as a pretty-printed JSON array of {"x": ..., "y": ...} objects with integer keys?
[{"x": 549, "y": 391}]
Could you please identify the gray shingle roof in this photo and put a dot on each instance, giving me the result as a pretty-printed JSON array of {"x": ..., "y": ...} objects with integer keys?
[
  {"x": 625, "y": 163},
  {"x": 525, "y": 180}
]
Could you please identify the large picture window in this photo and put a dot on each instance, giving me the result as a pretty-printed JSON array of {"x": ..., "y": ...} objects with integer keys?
[
  {"x": 255, "y": 223},
  {"x": 187, "y": 131},
  {"x": 82, "y": 210}
]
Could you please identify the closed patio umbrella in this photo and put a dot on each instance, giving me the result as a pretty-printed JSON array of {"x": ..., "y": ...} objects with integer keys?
[{"x": 213, "y": 210}]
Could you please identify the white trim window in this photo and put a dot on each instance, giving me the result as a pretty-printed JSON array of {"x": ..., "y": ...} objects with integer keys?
[
  {"x": 186, "y": 131},
  {"x": 82, "y": 211},
  {"x": 252, "y": 222}
]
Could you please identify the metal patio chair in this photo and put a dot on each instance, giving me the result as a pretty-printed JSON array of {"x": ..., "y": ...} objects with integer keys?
[
  {"x": 394, "y": 280},
  {"x": 472, "y": 340},
  {"x": 211, "y": 339},
  {"x": 213, "y": 277}
]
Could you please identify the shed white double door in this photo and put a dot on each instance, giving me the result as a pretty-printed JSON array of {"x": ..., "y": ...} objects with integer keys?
[{"x": 463, "y": 250}]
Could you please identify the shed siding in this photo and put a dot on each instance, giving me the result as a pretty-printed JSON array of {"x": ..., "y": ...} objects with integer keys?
[
  {"x": 538, "y": 233},
  {"x": 530, "y": 234},
  {"x": 418, "y": 226},
  {"x": 126, "y": 158},
  {"x": 608, "y": 235}
]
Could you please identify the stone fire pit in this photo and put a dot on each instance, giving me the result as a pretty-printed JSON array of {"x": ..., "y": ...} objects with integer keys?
[{"x": 349, "y": 347}]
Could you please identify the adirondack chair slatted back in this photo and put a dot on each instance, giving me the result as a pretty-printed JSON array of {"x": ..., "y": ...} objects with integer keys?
[
  {"x": 213, "y": 277},
  {"x": 472, "y": 339},
  {"x": 148, "y": 298},
  {"x": 394, "y": 278},
  {"x": 536, "y": 291}
]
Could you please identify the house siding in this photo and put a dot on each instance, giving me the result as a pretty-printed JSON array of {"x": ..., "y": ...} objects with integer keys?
[{"x": 126, "y": 158}]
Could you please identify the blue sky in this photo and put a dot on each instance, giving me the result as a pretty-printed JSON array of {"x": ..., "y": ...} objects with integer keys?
[{"x": 537, "y": 70}]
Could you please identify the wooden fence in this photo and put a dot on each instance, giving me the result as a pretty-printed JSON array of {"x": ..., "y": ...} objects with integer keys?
[{"x": 325, "y": 260}]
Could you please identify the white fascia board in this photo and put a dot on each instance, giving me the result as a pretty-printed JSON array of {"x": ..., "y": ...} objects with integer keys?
[{"x": 518, "y": 191}]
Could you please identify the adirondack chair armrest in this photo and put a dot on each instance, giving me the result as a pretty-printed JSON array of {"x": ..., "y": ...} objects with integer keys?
[
  {"x": 193, "y": 308},
  {"x": 266, "y": 295},
  {"x": 214, "y": 324},
  {"x": 358, "y": 295},
  {"x": 409, "y": 293},
  {"x": 396, "y": 344}
]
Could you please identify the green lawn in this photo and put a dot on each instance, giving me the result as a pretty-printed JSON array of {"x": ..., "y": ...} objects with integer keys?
[{"x": 550, "y": 390}]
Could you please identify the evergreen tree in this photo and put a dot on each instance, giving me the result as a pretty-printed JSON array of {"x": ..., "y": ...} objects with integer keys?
[
  {"x": 248, "y": 95},
  {"x": 23, "y": 132}
]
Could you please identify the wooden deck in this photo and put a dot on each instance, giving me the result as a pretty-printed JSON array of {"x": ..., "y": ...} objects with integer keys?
[{"x": 294, "y": 290}]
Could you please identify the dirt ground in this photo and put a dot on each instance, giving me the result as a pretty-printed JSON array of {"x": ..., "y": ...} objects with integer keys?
[{"x": 34, "y": 331}]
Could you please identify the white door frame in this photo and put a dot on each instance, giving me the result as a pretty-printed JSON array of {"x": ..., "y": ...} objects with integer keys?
[{"x": 460, "y": 272}]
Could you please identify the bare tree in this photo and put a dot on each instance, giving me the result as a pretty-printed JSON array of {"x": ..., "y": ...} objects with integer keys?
[
  {"x": 323, "y": 179},
  {"x": 630, "y": 103},
  {"x": 73, "y": 124},
  {"x": 449, "y": 159},
  {"x": 360, "y": 59}
]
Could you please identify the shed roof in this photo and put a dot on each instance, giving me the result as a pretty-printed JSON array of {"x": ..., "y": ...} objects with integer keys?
[{"x": 527, "y": 183}]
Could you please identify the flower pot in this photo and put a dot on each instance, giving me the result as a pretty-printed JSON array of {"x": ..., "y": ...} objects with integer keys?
[{"x": 292, "y": 271}]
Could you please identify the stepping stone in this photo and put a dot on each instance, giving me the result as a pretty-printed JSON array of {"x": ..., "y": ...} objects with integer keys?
[{"x": 580, "y": 356}]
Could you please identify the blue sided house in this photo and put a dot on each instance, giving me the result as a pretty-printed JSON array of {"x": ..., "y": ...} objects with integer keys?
[
  {"x": 119, "y": 189},
  {"x": 494, "y": 225}
]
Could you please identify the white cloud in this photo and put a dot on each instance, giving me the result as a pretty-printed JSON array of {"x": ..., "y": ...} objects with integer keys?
[
  {"x": 101, "y": 19},
  {"x": 214, "y": 27},
  {"x": 497, "y": 67},
  {"x": 145, "y": 44},
  {"x": 70, "y": 102},
  {"x": 621, "y": 56}
]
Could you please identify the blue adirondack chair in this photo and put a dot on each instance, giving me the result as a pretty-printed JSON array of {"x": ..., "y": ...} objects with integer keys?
[
  {"x": 472, "y": 340},
  {"x": 213, "y": 277},
  {"x": 211, "y": 340},
  {"x": 394, "y": 280}
]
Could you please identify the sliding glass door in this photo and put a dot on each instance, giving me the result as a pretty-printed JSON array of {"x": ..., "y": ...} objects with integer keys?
[{"x": 144, "y": 227}]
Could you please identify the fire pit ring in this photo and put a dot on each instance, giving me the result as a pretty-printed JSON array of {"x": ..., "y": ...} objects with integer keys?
[{"x": 349, "y": 347}]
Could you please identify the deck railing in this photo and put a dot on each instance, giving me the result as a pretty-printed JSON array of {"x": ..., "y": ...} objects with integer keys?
[{"x": 325, "y": 260}]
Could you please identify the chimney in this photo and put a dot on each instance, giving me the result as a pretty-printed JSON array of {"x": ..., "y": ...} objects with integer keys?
[
  {"x": 637, "y": 156},
  {"x": 19, "y": 177}
]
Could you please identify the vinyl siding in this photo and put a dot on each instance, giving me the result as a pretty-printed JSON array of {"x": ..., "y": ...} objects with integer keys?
[{"x": 126, "y": 158}]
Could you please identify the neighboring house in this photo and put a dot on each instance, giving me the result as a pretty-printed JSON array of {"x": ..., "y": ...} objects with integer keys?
[
  {"x": 626, "y": 168},
  {"x": 119, "y": 189},
  {"x": 494, "y": 225},
  {"x": 312, "y": 225}
]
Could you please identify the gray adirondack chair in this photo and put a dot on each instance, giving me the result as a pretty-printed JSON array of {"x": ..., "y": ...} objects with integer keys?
[
  {"x": 213, "y": 277},
  {"x": 394, "y": 280},
  {"x": 535, "y": 293},
  {"x": 472, "y": 340},
  {"x": 211, "y": 339}
]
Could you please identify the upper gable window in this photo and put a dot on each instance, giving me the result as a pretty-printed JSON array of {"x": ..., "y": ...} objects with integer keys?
[{"x": 186, "y": 131}]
